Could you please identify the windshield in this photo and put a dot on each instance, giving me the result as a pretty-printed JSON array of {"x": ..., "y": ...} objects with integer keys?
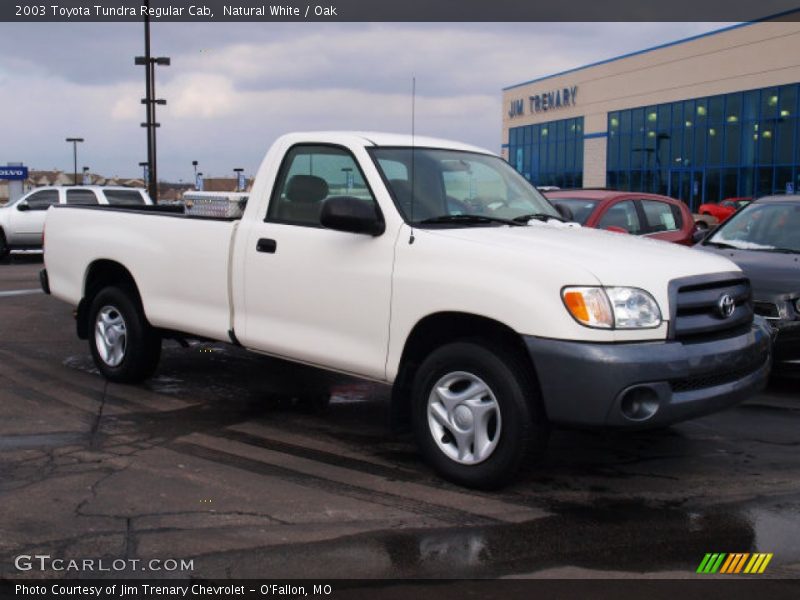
[
  {"x": 581, "y": 208},
  {"x": 773, "y": 226},
  {"x": 449, "y": 183}
]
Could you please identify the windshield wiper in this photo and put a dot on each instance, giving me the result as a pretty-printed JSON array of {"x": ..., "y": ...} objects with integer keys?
[
  {"x": 782, "y": 250},
  {"x": 467, "y": 220},
  {"x": 722, "y": 245},
  {"x": 538, "y": 217}
]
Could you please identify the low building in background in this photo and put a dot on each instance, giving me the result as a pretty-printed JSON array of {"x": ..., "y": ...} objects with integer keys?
[{"x": 701, "y": 119}]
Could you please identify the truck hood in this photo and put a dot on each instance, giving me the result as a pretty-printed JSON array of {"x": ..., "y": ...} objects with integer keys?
[{"x": 613, "y": 258}]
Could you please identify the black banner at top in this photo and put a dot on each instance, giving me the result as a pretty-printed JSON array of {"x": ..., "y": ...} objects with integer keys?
[{"x": 397, "y": 10}]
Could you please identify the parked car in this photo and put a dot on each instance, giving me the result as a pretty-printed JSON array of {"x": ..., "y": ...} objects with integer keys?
[
  {"x": 723, "y": 210},
  {"x": 650, "y": 215},
  {"x": 704, "y": 222},
  {"x": 764, "y": 240},
  {"x": 432, "y": 266},
  {"x": 22, "y": 221}
]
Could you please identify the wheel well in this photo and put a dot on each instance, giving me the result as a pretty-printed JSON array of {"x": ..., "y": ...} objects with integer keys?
[
  {"x": 443, "y": 328},
  {"x": 100, "y": 274}
]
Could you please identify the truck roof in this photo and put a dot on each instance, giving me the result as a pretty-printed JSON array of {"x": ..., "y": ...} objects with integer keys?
[{"x": 375, "y": 138}]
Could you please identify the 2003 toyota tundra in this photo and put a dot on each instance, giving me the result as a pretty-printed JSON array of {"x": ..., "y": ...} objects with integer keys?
[{"x": 431, "y": 265}]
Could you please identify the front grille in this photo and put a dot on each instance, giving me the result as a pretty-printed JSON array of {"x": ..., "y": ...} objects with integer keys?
[
  {"x": 696, "y": 311},
  {"x": 768, "y": 310},
  {"x": 700, "y": 382}
]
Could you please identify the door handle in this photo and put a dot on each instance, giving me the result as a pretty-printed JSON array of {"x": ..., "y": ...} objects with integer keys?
[{"x": 266, "y": 245}]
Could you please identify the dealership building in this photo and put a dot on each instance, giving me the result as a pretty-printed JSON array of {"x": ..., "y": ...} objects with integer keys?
[{"x": 709, "y": 117}]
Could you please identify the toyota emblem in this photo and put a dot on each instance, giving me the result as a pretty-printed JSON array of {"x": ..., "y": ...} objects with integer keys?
[{"x": 725, "y": 306}]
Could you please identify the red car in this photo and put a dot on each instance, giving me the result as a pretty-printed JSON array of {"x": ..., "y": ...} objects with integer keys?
[
  {"x": 724, "y": 209},
  {"x": 650, "y": 215}
]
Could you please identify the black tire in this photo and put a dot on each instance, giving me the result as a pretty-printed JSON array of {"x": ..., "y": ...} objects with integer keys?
[
  {"x": 523, "y": 431},
  {"x": 141, "y": 349},
  {"x": 4, "y": 250}
]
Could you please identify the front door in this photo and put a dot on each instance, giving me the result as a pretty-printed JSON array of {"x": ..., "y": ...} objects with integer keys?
[
  {"x": 27, "y": 218},
  {"x": 313, "y": 294}
]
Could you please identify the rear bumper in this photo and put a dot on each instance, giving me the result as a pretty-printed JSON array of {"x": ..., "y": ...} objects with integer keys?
[{"x": 592, "y": 385}]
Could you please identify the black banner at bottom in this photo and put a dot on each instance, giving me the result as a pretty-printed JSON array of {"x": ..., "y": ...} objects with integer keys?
[{"x": 339, "y": 589}]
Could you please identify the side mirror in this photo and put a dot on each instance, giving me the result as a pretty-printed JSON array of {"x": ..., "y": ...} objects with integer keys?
[
  {"x": 23, "y": 205},
  {"x": 565, "y": 211},
  {"x": 699, "y": 234},
  {"x": 616, "y": 229},
  {"x": 346, "y": 213}
]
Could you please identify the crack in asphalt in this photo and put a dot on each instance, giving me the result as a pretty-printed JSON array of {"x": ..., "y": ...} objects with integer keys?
[{"x": 93, "y": 432}]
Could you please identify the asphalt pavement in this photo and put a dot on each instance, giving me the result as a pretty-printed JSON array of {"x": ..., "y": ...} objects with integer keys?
[{"x": 230, "y": 460}]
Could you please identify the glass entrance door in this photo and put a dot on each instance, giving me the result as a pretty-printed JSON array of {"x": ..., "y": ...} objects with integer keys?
[{"x": 688, "y": 185}]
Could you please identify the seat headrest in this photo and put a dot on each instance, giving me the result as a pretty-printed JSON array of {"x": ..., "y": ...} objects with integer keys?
[{"x": 306, "y": 189}]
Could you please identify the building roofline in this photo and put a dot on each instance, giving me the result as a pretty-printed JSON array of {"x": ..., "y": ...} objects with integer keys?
[{"x": 652, "y": 48}]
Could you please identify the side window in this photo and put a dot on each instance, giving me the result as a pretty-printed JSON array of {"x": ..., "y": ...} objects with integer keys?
[
  {"x": 123, "y": 197},
  {"x": 622, "y": 214},
  {"x": 661, "y": 216},
  {"x": 42, "y": 200},
  {"x": 309, "y": 175},
  {"x": 81, "y": 197}
]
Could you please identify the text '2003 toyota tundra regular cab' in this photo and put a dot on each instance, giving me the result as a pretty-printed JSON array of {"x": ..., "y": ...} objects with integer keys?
[{"x": 433, "y": 266}]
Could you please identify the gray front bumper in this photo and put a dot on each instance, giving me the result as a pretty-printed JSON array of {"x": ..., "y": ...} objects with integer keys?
[{"x": 583, "y": 384}]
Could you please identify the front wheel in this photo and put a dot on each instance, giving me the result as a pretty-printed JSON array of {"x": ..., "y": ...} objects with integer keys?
[
  {"x": 125, "y": 348},
  {"x": 477, "y": 414}
]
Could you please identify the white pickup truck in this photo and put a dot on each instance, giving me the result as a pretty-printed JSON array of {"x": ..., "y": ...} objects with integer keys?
[{"x": 433, "y": 266}]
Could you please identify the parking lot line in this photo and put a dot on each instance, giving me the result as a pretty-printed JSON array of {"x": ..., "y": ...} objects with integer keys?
[
  {"x": 27, "y": 292},
  {"x": 456, "y": 505}
]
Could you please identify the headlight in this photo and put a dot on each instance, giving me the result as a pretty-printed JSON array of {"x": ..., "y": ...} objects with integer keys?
[
  {"x": 797, "y": 305},
  {"x": 612, "y": 307}
]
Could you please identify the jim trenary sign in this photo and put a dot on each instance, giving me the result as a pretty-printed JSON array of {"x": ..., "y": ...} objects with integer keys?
[{"x": 544, "y": 102}]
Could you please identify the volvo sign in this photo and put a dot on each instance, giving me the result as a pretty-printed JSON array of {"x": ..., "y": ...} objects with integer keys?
[
  {"x": 544, "y": 102},
  {"x": 14, "y": 173}
]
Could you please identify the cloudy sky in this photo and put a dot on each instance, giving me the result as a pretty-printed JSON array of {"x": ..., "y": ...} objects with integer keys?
[{"x": 233, "y": 87}]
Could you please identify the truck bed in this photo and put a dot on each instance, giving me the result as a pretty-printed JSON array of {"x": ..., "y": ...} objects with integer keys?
[{"x": 179, "y": 262}]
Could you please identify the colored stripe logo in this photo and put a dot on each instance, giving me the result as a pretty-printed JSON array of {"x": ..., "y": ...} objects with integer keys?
[{"x": 734, "y": 563}]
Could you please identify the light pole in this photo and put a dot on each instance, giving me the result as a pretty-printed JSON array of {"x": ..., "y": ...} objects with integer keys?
[
  {"x": 150, "y": 102},
  {"x": 239, "y": 177},
  {"x": 348, "y": 177},
  {"x": 74, "y": 141}
]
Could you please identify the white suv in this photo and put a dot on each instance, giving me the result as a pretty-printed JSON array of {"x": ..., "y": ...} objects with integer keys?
[{"x": 22, "y": 221}]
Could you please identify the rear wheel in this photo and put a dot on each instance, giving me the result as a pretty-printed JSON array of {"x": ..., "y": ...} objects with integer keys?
[
  {"x": 125, "y": 348},
  {"x": 477, "y": 414}
]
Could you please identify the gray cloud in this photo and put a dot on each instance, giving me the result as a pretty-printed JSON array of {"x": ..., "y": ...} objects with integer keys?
[{"x": 233, "y": 87}]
